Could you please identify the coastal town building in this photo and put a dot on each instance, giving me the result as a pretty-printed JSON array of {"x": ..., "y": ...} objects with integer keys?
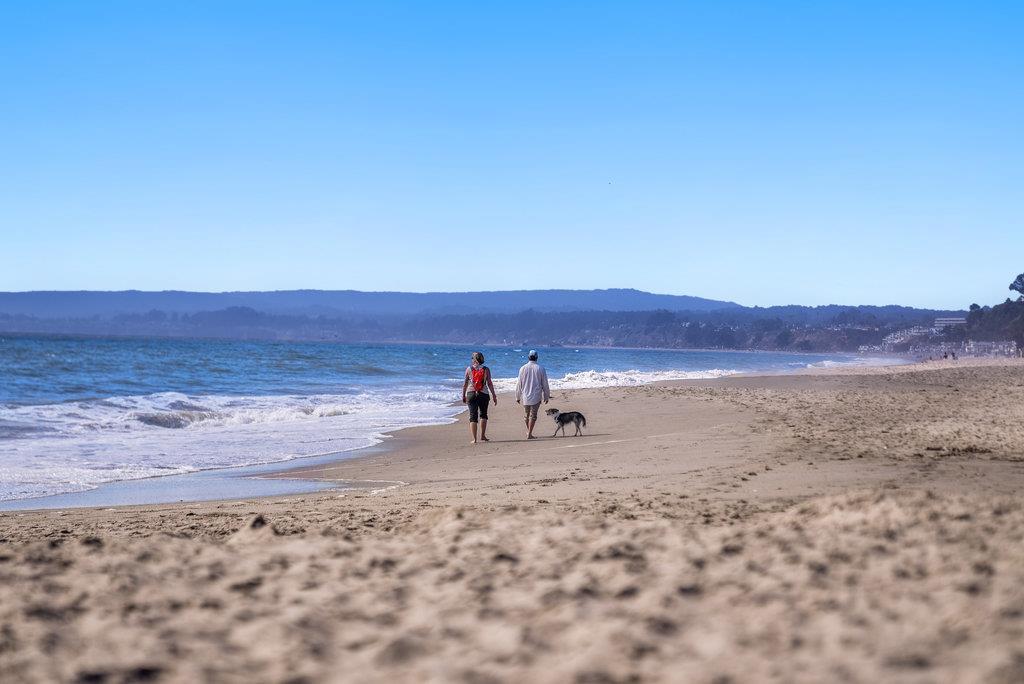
[
  {"x": 924, "y": 341},
  {"x": 1006, "y": 348}
]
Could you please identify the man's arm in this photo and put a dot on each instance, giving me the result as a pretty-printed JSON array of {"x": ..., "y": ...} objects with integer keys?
[
  {"x": 519, "y": 387},
  {"x": 544, "y": 385}
]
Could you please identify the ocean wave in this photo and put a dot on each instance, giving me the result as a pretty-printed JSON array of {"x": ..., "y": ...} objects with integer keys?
[
  {"x": 367, "y": 369},
  {"x": 633, "y": 377},
  {"x": 80, "y": 445},
  {"x": 10, "y": 429},
  {"x": 173, "y": 419},
  {"x": 186, "y": 406},
  {"x": 857, "y": 361},
  {"x": 244, "y": 416},
  {"x": 627, "y": 378},
  {"x": 171, "y": 410}
]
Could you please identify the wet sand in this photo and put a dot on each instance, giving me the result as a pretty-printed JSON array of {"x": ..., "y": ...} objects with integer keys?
[{"x": 835, "y": 526}]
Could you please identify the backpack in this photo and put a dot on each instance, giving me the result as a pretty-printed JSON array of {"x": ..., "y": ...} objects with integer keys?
[{"x": 478, "y": 376}]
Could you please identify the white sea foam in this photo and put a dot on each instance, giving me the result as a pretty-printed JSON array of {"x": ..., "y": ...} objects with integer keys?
[
  {"x": 857, "y": 361},
  {"x": 626, "y": 378},
  {"x": 58, "y": 448}
]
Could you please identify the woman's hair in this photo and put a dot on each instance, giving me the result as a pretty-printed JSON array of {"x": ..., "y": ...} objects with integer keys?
[{"x": 478, "y": 357}]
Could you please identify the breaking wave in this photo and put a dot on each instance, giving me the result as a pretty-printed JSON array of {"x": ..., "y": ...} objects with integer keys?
[
  {"x": 627, "y": 378},
  {"x": 857, "y": 361},
  {"x": 74, "y": 446}
]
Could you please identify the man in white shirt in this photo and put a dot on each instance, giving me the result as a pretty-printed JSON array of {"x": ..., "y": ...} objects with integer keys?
[{"x": 531, "y": 389}]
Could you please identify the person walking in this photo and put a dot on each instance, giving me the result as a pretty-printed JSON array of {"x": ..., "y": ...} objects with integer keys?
[
  {"x": 531, "y": 389},
  {"x": 477, "y": 382}
]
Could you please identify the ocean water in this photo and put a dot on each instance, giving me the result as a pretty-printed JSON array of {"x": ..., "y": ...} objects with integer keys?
[{"x": 76, "y": 413}]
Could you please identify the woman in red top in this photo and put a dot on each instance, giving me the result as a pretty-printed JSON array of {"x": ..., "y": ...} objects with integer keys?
[{"x": 477, "y": 382}]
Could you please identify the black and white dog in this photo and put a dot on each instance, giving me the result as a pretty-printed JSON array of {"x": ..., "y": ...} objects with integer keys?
[{"x": 563, "y": 419}]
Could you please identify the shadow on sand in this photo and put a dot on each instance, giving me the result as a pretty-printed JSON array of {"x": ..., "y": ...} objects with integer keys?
[{"x": 546, "y": 438}]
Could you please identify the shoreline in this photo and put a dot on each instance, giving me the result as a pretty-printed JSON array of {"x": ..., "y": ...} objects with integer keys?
[
  {"x": 829, "y": 525},
  {"x": 279, "y": 478},
  {"x": 191, "y": 487},
  {"x": 411, "y": 451}
]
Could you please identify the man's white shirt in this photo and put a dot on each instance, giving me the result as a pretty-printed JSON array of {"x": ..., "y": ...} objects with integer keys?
[{"x": 532, "y": 386}]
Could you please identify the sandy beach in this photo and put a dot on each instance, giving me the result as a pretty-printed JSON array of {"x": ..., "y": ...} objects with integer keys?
[{"x": 853, "y": 526}]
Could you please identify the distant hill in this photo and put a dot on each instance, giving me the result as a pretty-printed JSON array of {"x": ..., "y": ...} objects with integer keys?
[
  {"x": 87, "y": 304},
  {"x": 629, "y": 318}
]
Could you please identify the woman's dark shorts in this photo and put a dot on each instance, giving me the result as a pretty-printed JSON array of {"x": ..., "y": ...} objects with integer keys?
[{"x": 477, "y": 402}]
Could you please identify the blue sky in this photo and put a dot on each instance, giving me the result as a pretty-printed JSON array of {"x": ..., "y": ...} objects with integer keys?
[{"x": 766, "y": 153}]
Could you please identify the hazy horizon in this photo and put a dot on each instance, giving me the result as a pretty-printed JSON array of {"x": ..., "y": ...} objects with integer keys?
[
  {"x": 999, "y": 295},
  {"x": 538, "y": 291}
]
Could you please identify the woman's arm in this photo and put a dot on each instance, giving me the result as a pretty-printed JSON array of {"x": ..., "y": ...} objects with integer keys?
[
  {"x": 494, "y": 395},
  {"x": 465, "y": 384}
]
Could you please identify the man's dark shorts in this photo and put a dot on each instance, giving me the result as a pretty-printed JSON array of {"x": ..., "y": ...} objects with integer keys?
[{"x": 477, "y": 402}]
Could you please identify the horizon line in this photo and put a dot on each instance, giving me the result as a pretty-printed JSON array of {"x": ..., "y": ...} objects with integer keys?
[{"x": 473, "y": 292}]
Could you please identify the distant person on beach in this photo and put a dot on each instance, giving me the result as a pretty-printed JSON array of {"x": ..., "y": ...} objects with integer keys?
[
  {"x": 531, "y": 389},
  {"x": 477, "y": 382}
]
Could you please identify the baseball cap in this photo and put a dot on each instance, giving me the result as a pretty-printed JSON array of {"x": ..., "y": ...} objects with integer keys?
[{"x": 533, "y": 353}]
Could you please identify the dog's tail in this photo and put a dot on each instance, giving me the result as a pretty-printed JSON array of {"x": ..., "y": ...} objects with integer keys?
[{"x": 583, "y": 420}]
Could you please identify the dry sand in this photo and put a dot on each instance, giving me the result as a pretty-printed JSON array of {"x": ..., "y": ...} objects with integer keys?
[{"x": 825, "y": 527}]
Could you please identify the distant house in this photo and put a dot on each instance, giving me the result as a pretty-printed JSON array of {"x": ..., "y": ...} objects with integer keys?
[
  {"x": 1003, "y": 348},
  {"x": 949, "y": 322},
  {"x": 901, "y": 336}
]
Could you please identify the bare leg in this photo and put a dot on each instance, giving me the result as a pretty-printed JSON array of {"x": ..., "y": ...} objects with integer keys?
[
  {"x": 483, "y": 431},
  {"x": 529, "y": 428},
  {"x": 472, "y": 429}
]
